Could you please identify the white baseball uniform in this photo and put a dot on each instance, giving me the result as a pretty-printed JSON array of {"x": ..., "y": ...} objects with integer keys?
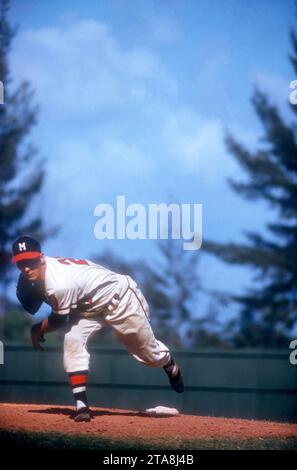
[{"x": 100, "y": 297}]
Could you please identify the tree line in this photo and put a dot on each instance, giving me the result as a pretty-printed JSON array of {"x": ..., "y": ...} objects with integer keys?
[{"x": 267, "y": 310}]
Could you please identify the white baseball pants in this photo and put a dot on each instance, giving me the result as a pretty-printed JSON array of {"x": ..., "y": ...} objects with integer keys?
[{"x": 129, "y": 318}]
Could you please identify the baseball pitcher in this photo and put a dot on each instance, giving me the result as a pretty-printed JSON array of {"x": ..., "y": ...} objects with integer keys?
[{"x": 92, "y": 297}]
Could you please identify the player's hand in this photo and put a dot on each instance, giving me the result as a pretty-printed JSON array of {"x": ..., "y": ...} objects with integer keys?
[{"x": 37, "y": 337}]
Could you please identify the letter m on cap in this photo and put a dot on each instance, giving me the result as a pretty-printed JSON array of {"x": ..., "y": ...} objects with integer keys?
[{"x": 22, "y": 246}]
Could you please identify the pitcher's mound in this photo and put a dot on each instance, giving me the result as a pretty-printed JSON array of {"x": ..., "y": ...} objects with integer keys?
[{"x": 117, "y": 423}]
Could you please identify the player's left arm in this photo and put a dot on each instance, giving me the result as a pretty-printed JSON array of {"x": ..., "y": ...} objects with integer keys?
[{"x": 52, "y": 323}]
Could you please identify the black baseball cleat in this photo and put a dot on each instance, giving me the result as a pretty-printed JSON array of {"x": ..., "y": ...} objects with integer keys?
[
  {"x": 83, "y": 415},
  {"x": 175, "y": 378}
]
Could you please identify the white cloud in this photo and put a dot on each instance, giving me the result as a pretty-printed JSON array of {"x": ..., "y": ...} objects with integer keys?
[
  {"x": 83, "y": 70},
  {"x": 84, "y": 75},
  {"x": 92, "y": 165},
  {"x": 126, "y": 158},
  {"x": 195, "y": 143}
]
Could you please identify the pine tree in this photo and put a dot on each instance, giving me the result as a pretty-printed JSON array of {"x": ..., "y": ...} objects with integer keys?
[
  {"x": 268, "y": 310},
  {"x": 21, "y": 171},
  {"x": 172, "y": 287}
]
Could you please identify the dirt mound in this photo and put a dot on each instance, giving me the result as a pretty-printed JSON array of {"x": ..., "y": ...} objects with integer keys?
[{"x": 114, "y": 423}]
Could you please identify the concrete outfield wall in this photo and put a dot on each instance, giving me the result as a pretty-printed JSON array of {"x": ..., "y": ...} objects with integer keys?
[{"x": 257, "y": 385}]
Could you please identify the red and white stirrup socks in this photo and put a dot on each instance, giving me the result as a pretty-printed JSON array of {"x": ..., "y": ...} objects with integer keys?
[
  {"x": 78, "y": 382},
  {"x": 171, "y": 367}
]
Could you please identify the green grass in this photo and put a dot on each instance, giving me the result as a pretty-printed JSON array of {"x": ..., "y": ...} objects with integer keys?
[{"x": 60, "y": 442}]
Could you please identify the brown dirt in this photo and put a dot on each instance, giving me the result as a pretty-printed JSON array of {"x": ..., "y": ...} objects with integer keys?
[{"x": 125, "y": 424}]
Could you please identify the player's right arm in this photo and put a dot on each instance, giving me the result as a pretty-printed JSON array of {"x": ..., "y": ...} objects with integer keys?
[{"x": 52, "y": 323}]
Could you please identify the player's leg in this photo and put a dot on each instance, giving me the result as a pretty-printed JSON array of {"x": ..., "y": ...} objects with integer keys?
[
  {"x": 76, "y": 361},
  {"x": 130, "y": 321}
]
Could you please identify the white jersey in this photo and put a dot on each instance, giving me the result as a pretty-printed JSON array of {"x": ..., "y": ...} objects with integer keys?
[{"x": 80, "y": 286}]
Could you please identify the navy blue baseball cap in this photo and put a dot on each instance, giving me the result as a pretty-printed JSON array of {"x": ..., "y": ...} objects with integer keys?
[{"x": 25, "y": 248}]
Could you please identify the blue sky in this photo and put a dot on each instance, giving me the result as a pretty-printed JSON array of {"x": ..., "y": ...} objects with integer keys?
[{"x": 134, "y": 99}]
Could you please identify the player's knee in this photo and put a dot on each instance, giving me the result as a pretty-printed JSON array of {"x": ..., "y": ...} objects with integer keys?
[
  {"x": 151, "y": 359},
  {"x": 151, "y": 363},
  {"x": 76, "y": 357},
  {"x": 72, "y": 343},
  {"x": 157, "y": 358}
]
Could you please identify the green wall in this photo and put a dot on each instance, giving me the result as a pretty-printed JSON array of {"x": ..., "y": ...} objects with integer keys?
[{"x": 247, "y": 384}]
